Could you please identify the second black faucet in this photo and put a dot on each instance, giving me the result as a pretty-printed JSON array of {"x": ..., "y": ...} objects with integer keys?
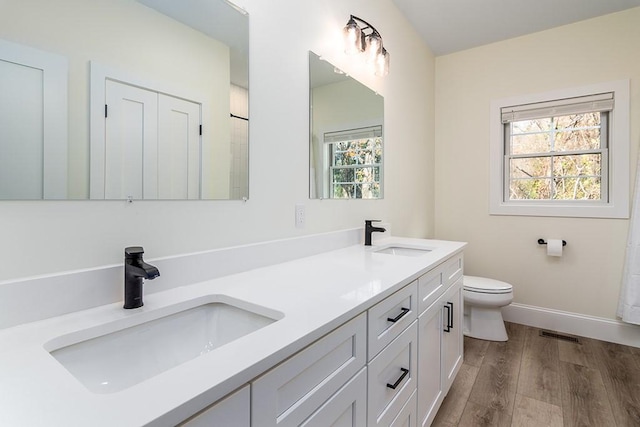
[{"x": 370, "y": 229}]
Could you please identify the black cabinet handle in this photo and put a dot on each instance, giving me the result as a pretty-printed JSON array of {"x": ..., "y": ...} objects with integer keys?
[
  {"x": 448, "y": 327},
  {"x": 450, "y": 315},
  {"x": 399, "y": 316},
  {"x": 395, "y": 385}
]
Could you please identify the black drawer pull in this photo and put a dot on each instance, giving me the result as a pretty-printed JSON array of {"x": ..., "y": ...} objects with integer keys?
[
  {"x": 399, "y": 316},
  {"x": 450, "y": 315},
  {"x": 393, "y": 386},
  {"x": 448, "y": 327}
]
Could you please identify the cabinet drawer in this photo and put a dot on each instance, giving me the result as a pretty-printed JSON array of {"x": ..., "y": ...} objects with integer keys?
[
  {"x": 395, "y": 367},
  {"x": 453, "y": 269},
  {"x": 432, "y": 284},
  {"x": 407, "y": 415},
  {"x": 232, "y": 410},
  {"x": 289, "y": 393},
  {"x": 346, "y": 408},
  {"x": 430, "y": 287},
  {"x": 390, "y": 317}
]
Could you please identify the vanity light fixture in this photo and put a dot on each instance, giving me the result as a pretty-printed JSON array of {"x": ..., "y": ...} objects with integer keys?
[{"x": 357, "y": 41}]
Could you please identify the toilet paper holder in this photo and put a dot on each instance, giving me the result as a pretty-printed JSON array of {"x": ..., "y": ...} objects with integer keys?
[{"x": 542, "y": 242}]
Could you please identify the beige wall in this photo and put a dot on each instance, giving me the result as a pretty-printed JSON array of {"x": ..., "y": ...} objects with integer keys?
[
  {"x": 587, "y": 278},
  {"x": 47, "y": 237}
]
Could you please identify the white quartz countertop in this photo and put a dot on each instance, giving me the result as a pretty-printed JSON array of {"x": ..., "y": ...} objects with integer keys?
[{"x": 315, "y": 294}]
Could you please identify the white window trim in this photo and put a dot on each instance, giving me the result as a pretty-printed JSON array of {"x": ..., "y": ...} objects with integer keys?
[{"x": 618, "y": 204}]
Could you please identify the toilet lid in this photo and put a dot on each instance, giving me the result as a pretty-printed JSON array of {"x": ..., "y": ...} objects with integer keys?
[{"x": 487, "y": 286}]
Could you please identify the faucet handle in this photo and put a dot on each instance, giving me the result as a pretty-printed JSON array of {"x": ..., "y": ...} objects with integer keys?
[
  {"x": 369, "y": 221},
  {"x": 133, "y": 252}
]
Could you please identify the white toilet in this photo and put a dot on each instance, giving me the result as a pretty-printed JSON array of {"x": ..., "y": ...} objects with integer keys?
[{"x": 483, "y": 302}]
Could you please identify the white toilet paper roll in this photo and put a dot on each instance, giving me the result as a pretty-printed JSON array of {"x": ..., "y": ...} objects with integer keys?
[{"x": 554, "y": 247}]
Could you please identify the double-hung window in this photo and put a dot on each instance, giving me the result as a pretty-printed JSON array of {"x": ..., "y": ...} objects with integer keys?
[
  {"x": 563, "y": 154},
  {"x": 355, "y": 160}
]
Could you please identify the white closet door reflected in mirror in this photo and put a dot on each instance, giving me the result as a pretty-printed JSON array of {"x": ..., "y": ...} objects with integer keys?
[{"x": 151, "y": 145}]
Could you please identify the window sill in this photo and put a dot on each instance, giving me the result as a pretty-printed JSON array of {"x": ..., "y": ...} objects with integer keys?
[{"x": 560, "y": 210}]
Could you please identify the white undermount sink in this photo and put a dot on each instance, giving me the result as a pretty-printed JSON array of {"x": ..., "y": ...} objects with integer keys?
[
  {"x": 107, "y": 362},
  {"x": 403, "y": 250}
]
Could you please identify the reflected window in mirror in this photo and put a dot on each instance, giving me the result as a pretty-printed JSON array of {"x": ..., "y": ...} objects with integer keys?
[
  {"x": 355, "y": 160},
  {"x": 346, "y": 135},
  {"x": 166, "y": 52}
]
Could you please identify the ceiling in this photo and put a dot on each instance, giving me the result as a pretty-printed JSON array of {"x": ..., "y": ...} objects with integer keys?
[
  {"x": 219, "y": 20},
  {"x": 452, "y": 25}
]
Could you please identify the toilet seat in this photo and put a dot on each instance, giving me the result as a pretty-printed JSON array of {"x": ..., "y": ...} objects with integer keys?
[{"x": 486, "y": 286}]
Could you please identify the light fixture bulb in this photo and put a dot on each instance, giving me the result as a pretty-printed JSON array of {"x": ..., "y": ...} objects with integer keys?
[
  {"x": 352, "y": 37},
  {"x": 382, "y": 63},
  {"x": 373, "y": 46}
]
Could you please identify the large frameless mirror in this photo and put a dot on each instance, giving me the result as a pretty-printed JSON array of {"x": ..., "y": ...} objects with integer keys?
[
  {"x": 142, "y": 100},
  {"x": 346, "y": 135}
]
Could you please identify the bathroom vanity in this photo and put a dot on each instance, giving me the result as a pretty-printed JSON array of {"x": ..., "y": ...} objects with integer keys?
[{"x": 357, "y": 335}]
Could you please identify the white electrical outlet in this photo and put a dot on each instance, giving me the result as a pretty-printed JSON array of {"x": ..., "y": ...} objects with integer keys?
[{"x": 299, "y": 216}]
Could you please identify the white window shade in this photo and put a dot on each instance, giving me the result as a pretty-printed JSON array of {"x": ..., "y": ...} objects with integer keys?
[
  {"x": 560, "y": 107},
  {"x": 353, "y": 134}
]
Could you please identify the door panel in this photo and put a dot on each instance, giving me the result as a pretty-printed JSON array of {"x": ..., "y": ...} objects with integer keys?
[
  {"x": 178, "y": 148},
  {"x": 21, "y": 131},
  {"x": 131, "y": 142}
]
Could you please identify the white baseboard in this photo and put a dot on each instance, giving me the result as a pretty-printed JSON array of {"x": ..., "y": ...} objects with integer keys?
[{"x": 572, "y": 323}]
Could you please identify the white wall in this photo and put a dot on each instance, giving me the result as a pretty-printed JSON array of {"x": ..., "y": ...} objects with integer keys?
[
  {"x": 587, "y": 278},
  {"x": 46, "y": 237}
]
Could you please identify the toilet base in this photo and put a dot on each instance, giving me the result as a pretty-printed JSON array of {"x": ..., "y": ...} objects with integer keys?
[{"x": 484, "y": 323}]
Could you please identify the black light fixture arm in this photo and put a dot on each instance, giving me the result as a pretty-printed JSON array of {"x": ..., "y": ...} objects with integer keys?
[{"x": 367, "y": 27}]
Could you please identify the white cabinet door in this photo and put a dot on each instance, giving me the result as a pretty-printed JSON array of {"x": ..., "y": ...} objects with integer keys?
[
  {"x": 232, "y": 410},
  {"x": 430, "y": 363},
  {"x": 452, "y": 339}
]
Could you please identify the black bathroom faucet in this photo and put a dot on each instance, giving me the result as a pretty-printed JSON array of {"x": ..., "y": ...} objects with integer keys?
[
  {"x": 369, "y": 229},
  {"x": 135, "y": 271}
]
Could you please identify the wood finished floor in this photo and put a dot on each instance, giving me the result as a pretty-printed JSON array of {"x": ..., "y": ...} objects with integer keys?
[{"x": 537, "y": 381}]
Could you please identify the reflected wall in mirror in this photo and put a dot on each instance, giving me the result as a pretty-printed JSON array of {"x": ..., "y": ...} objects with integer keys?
[
  {"x": 117, "y": 99},
  {"x": 346, "y": 135}
]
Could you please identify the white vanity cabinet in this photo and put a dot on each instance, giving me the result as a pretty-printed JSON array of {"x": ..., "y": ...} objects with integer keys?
[
  {"x": 390, "y": 366},
  {"x": 232, "y": 410},
  {"x": 308, "y": 385}
]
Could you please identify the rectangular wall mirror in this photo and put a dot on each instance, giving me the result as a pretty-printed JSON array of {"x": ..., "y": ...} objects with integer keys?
[
  {"x": 346, "y": 135},
  {"x": 139, "y": 99}
]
